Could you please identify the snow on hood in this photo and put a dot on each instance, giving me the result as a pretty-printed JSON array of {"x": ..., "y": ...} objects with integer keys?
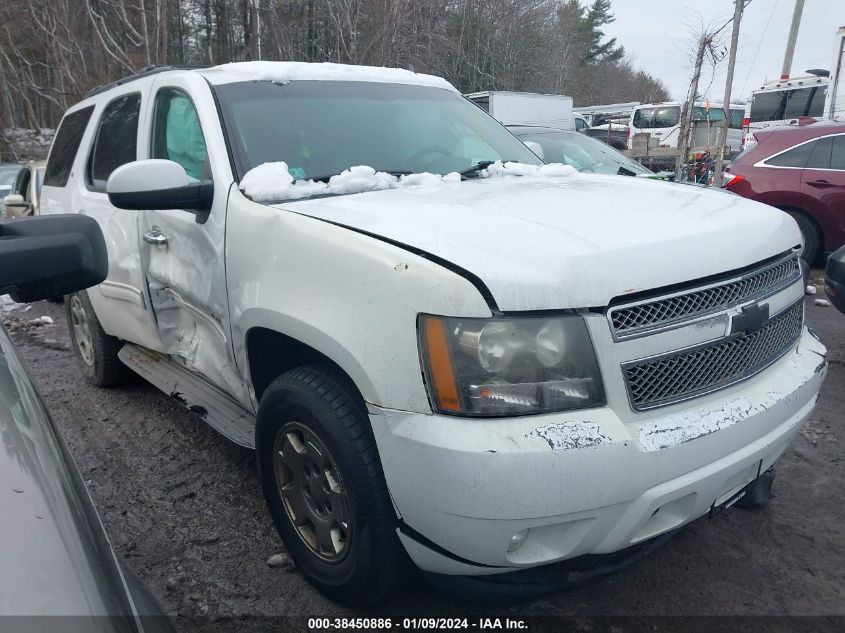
[
  {"x": 271, "y": 182},
  {"x": 551, "y": 170},
  {"x": 541, "y": 243},
  {"x": 325, "y": 71}
]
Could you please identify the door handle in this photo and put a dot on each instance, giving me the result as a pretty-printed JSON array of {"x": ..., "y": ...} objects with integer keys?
[
  {"x": 820, "y": 184},
  {"x": 155, "y": 237}
]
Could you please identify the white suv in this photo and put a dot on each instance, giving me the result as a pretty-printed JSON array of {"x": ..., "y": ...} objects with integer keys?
[{"x": 482, "y": 367}]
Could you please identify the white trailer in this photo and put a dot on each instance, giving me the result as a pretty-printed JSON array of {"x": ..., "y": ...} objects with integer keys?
[
  {"x": 609, "y": 111},
  {"x": 834, "y": 104},
  {"x": 526, "y": 108}
]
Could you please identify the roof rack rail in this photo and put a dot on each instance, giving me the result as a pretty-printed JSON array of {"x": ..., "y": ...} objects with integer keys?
[{"x": 146, "y": 71}]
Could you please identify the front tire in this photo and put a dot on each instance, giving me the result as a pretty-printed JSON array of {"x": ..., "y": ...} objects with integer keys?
[
  {"x": 324, "y": 485},
  {"x": 96, "y": 350},
  {"x": 813, "y": 242}
]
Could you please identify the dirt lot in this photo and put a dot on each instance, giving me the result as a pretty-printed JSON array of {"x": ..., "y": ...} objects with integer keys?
[{"x": 183, "y": 508}]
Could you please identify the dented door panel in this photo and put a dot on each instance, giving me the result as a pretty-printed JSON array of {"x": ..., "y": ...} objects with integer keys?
[
  {"x": 183, "y": 260},
  {"x": 186, "y": 279}
]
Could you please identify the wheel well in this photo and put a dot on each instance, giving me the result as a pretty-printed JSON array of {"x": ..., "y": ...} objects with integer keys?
[{"x": 270, "y": 354}]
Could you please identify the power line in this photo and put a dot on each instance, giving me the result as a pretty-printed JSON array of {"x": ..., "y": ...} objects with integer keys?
[
  {"x": 759, "y": 43},
  {"x": 719, "y": 30}
]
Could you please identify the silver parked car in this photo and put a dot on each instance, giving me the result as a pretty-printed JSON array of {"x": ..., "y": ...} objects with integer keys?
[
  {"x": 582, "y": 152},
  {"x": 8, "y": 173},
  {"x": 25, "y": 195}
]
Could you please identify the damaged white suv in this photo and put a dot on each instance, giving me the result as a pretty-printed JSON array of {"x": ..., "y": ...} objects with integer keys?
[{"x": 450, "y": 352}]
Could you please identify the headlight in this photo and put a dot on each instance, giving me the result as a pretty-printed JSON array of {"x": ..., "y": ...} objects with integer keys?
[{"x": 509, "y": 366}]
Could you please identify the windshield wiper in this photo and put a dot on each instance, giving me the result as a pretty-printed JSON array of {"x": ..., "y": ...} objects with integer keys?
[
  {"x": 481, "y": 165},
  {"x": 395, "y": 172}
]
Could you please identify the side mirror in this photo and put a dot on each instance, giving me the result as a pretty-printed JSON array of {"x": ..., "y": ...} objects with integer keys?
[
  {"x": 834, "y": 279},
  {"x": 16, "y": 206},
  {"x": 535, "y": 147},
  {"x": 158, "y": 184},
  {"x": 51, "y": 255}
]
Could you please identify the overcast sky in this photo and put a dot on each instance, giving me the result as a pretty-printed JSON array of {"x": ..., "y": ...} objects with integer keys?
[{"x": 655, "y": 36}]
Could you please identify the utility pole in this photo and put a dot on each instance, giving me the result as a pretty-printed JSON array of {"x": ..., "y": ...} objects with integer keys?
[
  {"x": 739, "y": 5},
  {"x": 790, "y": 42},
  {"x": 258, "y": 26},
  {"x": 686, "y": 115}
]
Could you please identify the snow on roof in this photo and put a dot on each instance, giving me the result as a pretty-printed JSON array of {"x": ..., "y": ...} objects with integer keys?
[{"x": 326, "y": 71}]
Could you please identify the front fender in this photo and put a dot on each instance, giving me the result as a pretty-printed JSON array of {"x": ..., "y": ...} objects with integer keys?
[{"x": 350, "y": 296}]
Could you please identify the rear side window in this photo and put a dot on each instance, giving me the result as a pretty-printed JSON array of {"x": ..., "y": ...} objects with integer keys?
[
  {"x": 837, "y": 157},
  {"x": 803, "y": 102},
  {"x": 820, "y": 156},
  {"x": 117, "y": 139},
  {"x": 65, "y": 147},
  {"x": 795, "y": 157}
]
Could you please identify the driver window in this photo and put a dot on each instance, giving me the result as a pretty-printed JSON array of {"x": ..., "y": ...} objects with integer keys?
[{"x": 177, "y": 134}]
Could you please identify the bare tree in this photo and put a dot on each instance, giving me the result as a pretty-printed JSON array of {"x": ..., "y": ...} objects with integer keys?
[{"x": 52, "y": 52}]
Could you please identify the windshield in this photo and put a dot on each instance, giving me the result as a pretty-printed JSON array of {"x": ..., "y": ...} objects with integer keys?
[
  {"x": 657, "y": 117},
  {"x": 717, "y": 113},
  {"x": 320, "y": 128},
  {"x": 582, "y": 152}
]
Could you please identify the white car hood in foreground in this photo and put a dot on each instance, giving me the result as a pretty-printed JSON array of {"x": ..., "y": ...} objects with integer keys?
[{"x": 579, "y": 241}]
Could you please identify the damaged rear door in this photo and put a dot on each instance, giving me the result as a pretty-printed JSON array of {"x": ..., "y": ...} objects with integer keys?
[{"x": 182, "y": 253}]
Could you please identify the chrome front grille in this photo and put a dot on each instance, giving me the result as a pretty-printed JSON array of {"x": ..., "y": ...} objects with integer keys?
[
  {"x": 695, "y": 371},
  {"x": 649, "y": 315}
]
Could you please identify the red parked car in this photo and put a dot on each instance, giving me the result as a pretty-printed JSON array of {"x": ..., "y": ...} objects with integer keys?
[{"x": 800, "y": 169}]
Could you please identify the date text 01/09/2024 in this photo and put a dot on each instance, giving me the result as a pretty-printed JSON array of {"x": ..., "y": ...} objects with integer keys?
[{"x": 418, "y": 623}]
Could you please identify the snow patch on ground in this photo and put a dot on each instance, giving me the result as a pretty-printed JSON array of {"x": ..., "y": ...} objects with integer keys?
[
  {"x": 563, "y": 436},
  {"x": 680, "y": 428},
  {"x": 325, "y": 71},
  {"x": 7, "y": 304},
  {"x": 272, "y": 182}
]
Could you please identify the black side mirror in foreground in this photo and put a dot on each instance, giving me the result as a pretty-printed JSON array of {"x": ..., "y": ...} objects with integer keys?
[
  {"x": 834, "y": 280},
  {"x": 51, "y": 255}
]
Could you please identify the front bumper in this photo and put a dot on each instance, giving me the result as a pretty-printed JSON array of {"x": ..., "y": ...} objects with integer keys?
[{"x": 584, "y": 482}]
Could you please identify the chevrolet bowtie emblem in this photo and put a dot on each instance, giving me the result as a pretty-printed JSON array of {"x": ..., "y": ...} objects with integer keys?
[{"x": 750, "y": 319}]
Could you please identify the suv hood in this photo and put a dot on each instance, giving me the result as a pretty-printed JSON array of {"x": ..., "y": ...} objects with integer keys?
[{"x": 571, "y": 242}]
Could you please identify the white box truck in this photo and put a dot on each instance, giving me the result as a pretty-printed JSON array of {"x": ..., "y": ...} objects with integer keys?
[
  {"x": 526, "y": 108},
  {"x": 834, "y": 105}
]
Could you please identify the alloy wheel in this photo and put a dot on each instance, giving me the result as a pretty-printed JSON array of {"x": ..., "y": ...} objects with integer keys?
[
  {"x": 82, "y": 330},
  {"x": 312, "y": 491}
]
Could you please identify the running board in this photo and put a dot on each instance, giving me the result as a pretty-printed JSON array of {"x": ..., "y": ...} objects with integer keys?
[{"x": 201, "y": 398}]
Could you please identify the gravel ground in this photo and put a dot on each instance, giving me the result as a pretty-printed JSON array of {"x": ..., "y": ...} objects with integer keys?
[{"x": 183, "y": 508}]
